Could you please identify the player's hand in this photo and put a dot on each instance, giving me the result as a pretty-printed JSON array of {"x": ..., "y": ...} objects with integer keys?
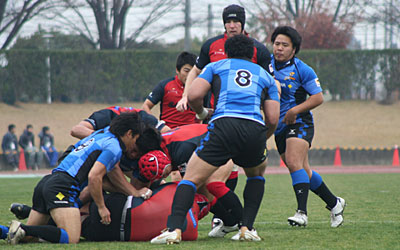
[
  {"x": 145, "y": 193},
  {"x": 104, "y": 215},
  {"x": 182, "y": 105},
  {"x": 290, "y": 117}
]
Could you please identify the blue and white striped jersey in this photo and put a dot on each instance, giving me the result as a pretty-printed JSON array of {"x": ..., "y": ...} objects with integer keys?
[
  {"x": 101, "y": 146},
  {"x": 239, "y": 87},
  {"x": 298, "y": 81}
]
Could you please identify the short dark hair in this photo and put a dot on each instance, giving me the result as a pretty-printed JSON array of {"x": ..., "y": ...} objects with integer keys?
[
  {"x": 149, "y": 140},
  {"x": 185, "y": 58},
  {"x": 291, "y": 33},
  {"x": 239, "y": 46},
  {"x": 124, "y": 122},
  {"x": 29, "y": 126},
  {"x": 11, "y": 127},
  {"x": 45, "y": 129}
]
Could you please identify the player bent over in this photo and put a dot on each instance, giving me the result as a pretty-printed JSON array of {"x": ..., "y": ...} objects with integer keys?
[
  {"x": 179, "y": 144},
  {"x": 237, "y": 131},
  {"x": 56, "y": 195},
  {"x": 133, "y": 218}
]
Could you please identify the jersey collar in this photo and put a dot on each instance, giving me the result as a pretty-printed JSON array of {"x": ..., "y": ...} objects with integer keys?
[
  {"x": 179, "y": 81},
  {"x": 279, "y": 66}
]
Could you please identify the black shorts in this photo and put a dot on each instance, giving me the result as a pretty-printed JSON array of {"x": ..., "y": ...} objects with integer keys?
[
  {"x": 243, "y": 141},
  {"x": 299, "y": 130},
  {"x": 54, "y": 191},
  {"x": 94, "y": 230}
]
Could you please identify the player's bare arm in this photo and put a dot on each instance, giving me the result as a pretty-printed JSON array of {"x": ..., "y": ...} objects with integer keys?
[
  {"x": 311, "y": 103},
  {"x": 147, "y": 106},
  {"x": 271, "y": 114},
  {"x": 95, "y": 184},
  {"x": 182, "y": 105},
  {"x": 196, "y": 93},
  {"x": 121, "y": 185},
  {"x": 82, "y": 129}
]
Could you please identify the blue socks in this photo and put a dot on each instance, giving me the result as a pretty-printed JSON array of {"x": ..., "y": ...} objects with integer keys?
[{"x": 3, "y": 232}]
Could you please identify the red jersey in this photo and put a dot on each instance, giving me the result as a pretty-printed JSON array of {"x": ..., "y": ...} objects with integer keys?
[
  {"x": 214, "y": 50},
  {"x": 148, "y": 218},
  {"x": 180, "y": 143},
  {"x": 168, "y": 92}
]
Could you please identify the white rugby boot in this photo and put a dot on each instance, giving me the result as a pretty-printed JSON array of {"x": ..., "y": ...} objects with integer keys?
[
  {"x": 246, "y": 235},
  {"x": 219, "y": 230},
  {"x": 337, "y": 212},
  {"x": 298, "y": 219},
  {"x": 15, "y": 233},
  {"x": 167, "y": 237}
]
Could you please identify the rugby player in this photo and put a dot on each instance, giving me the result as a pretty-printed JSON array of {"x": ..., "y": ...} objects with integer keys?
[
  {"x": 301, "y": 92},
  {"x": 237, "y": 131},
  {"x": 56, "y": 195}
]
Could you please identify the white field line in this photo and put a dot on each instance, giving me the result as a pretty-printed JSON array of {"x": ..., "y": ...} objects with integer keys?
[
  {"x": 319, "y": 222},
  {"x": 19, "y": 176}
]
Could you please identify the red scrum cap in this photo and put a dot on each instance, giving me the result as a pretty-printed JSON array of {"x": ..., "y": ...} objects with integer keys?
[{"x": 152, "y": 165}]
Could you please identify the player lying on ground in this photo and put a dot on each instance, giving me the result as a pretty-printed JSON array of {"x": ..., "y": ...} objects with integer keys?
[
  {"x": 56, "y": 195},
  {"x": 102, "y": 118},
  {"x": 179, "y": 145},
  {"x": 133, "y": 218}
]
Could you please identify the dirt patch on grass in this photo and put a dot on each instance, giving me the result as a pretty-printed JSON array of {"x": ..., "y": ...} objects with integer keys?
[{"x": 347, "y": 124}]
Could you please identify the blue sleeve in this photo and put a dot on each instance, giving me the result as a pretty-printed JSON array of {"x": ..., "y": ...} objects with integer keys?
[
  {"x": 111, "y": 154},
  {"x": 309, "y": 80},
  {"x": 207, "y": 73},
  {"x": 273, "y": 93}
]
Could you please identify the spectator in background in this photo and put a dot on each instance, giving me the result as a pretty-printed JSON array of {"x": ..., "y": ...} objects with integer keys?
[
  {"x": 47, "y": 144},
  {"x": 33, "y": 155},
  {"x": 169, "y": 91},
  {"x": 9, "y": 146}
]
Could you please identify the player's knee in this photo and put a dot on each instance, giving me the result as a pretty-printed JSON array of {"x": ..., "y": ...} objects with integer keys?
[
  {"x": 70, "y": 237},
  {"x": 293, "y": 164}
]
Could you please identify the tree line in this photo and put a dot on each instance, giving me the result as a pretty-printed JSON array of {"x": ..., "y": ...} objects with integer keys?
[
  {"x": 129, "y": 75},
  {"x": 323, "y": 24}
]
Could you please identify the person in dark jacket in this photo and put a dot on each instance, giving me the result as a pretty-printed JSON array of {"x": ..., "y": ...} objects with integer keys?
[
  {"x": 9, "y": 145},
  {"x": 33, "y": 156}
]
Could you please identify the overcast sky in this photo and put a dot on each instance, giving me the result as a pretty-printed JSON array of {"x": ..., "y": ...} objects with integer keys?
[{"x": 199, "y": 9}]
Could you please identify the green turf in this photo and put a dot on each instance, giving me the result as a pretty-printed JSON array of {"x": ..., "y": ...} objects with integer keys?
[{"x": 372, "y": 218}]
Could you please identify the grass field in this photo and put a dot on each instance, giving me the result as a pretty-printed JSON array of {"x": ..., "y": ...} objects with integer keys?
[
  {"x": 344, "y": 124},
  {"x": 372, "y": 220}
]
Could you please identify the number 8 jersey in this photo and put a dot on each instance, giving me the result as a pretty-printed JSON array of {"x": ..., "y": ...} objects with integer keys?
[{"x": 240, "y": 87}]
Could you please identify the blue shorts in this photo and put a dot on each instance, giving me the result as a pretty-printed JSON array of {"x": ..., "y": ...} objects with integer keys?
[{"x": 298, "y": 130}]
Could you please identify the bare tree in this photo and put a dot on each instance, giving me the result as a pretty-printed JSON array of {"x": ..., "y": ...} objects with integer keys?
[
  {"x": 110, "y": 17},
  {"x": 14, "y": 14},
  {"x": 308, "y": 15}
]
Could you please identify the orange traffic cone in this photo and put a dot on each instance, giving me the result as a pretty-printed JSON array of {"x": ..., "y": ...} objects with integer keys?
[
  {"x": 282, "y": 164},
  {"x": 22, "y": 163},
  {"x": 396, "y": 162},
  {"x": 338, "y": 160}
]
